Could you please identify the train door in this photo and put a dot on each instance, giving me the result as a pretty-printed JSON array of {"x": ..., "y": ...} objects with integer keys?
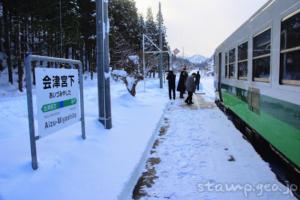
[{"x": 220, "y": 75}]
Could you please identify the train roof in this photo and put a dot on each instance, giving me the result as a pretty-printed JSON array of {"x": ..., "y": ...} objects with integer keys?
[{"x": 251, "y": 19}]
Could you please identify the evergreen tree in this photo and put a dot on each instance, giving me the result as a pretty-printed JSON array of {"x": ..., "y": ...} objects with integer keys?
[
  {"x": 151, "y": 31},
  {"x": 34, "y": 26},
  {"x": 141, "y": 29},
  {"x": 164, "y": 40},
  {"x": 87, "y": 28},
  {"x": 164, "y": 29},
  {"x": 124, "y": 31}
]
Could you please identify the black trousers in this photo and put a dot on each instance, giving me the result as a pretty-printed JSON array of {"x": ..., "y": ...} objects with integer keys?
[
  {"x": 181, "y": 94},
  {"x": 197, "y": 86},
  {"x": 171, "y": 90},
  {"x": 189, "y": 98}
]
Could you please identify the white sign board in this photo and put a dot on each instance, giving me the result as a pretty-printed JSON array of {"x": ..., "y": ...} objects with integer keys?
[
  {"x": 57, "y": 99},
  {"x": 176, "y": 51}
]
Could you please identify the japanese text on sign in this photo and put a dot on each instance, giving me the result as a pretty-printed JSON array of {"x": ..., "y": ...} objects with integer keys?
[
  {"x": 57, "y": 98},
  {"x": 58, "y": 81}
]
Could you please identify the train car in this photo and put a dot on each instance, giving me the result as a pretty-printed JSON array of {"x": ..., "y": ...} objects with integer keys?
[{"x": 257, "y": 75}]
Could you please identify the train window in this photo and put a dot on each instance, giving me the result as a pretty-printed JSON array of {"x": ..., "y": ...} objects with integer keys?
[
  {"x": 290, "y": 51},
  {"x": 243, "y": 61},
  {"x": 261, "y": 68},
  {"x": 231, "y": 70},
  {"x": 226, "y": 65},
  {"x": 243, "y": 51},
  {"x": 261, "y": 56},
  {"x": 262, "y": 44},
  {"x": 231, "y": 63},
  {"x": 242, "y": 70}
]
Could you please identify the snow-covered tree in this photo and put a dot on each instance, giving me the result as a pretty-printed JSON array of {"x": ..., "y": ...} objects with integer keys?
[
  {"x": 34, "y": 26},
  {"x": 151, "y": 31},
  {"x": 124, "y": 32}
]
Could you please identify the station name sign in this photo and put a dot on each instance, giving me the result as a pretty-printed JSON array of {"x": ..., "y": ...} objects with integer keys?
[{"x": 57, "y": 97}]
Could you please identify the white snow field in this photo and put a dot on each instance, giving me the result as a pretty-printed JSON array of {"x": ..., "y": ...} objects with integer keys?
[
  {"x": 108, "y": 163},
  {"x": 99, "y": 168}
]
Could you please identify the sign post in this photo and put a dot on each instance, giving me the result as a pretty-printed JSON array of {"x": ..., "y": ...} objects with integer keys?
[
  {"x": 57, "y": 98},
  {"x": 34, "y": 162}
]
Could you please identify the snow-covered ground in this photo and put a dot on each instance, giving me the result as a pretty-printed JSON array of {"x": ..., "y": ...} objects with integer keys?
[
  {"x": 70, "y": 168},
  {"x": 201, "y": 155},
  {"x": 195, "y": 151}
]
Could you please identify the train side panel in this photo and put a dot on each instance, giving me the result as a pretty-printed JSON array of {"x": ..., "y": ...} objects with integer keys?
[{"x": 272, "y": 109}]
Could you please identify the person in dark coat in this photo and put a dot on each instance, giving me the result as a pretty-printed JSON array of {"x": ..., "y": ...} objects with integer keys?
[
  {"x": 181, "y": 83},
  {"x": 198, "y": 76},
  {"x": 190, "y": 87},
  {"x": 171, "y": 83}
]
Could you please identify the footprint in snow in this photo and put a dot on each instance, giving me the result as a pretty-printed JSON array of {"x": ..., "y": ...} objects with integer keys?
[
  {"x": 182, "y": 174},
  {"x": 165, "y": 174},
  {"x": 231, "y": 158}
]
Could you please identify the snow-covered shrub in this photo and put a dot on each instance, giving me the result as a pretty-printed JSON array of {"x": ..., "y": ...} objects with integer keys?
[
  {"x": 130, "y": 81},
  {"x": 118, "y": 73},
  {"x": 129, "y": 73}
]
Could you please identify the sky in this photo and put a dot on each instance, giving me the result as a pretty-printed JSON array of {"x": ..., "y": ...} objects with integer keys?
[{"x": 199, "y": 26}]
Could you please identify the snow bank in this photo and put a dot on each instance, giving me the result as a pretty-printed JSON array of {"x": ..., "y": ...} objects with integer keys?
[
  {"x": 100, "y": 167},
  {"x": 127, "y": 190},
  {"x": 119, "y": 72}
]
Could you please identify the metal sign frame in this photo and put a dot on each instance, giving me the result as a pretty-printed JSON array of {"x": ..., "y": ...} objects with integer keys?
[{"x": 28, "y": 65}]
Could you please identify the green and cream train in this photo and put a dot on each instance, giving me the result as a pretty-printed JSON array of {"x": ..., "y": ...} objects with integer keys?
[{"x": 257, "y": 76}]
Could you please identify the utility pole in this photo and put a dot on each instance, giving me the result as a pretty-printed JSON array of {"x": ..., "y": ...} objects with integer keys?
[
  {"x": 170, "y": 59},
  {"x": 144, "y": 64},
  {"x": 60, "y": 26},
  {"x": 99, "y": 57},
  {"x": 161, "y": 48},
  {"x": 107, "y": 100},
  {"x": 103, "y": 74}
]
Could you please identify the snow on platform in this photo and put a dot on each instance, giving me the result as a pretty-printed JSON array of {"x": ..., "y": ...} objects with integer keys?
[
  {"x": 199, "y": 154},
  {"x": 99, "y": 168},
  {"x": 197, "y": 148}
]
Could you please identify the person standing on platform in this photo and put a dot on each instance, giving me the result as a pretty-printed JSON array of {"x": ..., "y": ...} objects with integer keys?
[
  {"x": 198, "y": 76},
  {"x": 171, "y": 83},
  {"x": 181, "y": 83},
  {"x": 190, "y": 87}
]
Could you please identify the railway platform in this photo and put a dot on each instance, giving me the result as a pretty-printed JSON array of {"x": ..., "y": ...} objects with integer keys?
[{"x": 199, "y": 154}]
